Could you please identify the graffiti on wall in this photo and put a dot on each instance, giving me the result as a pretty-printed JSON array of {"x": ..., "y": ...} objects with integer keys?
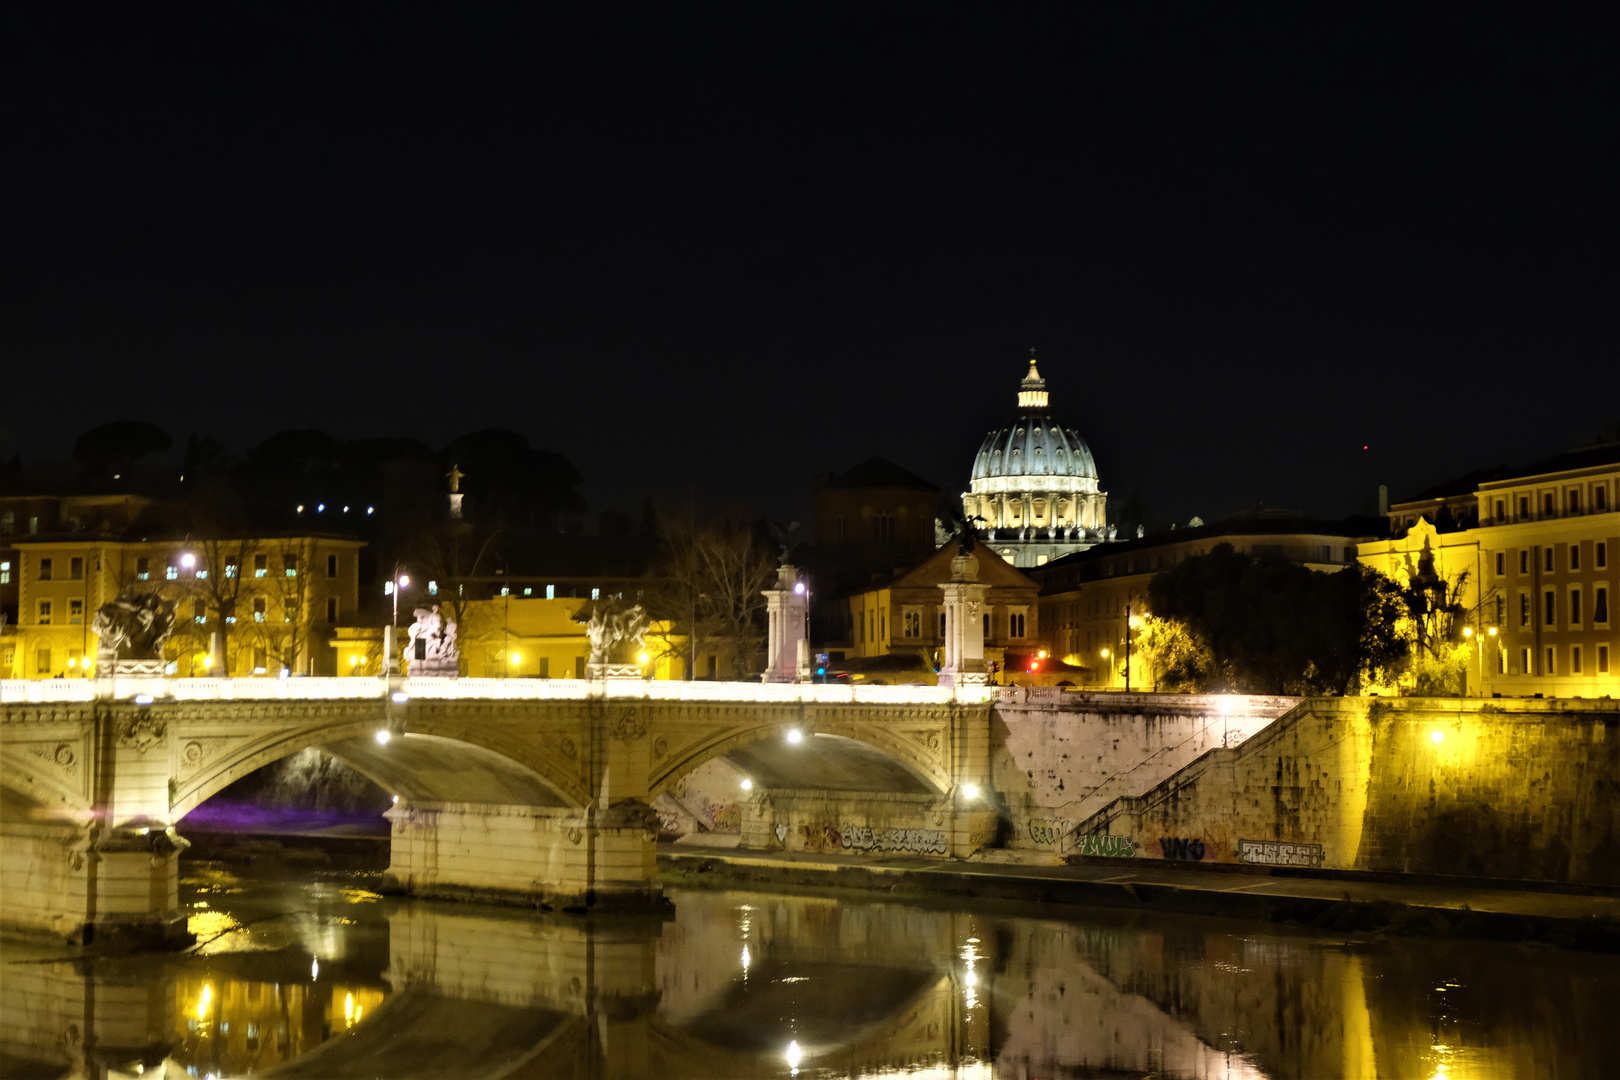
[
  {"x": 725, "y": 817},
  {"x": 1270, "y": 853},
  {"x": 865, "y": 838},
  {"x": 669, "y": 821},
  {"x": 1048, "y": 830},
  {"x": 1110, "y": 847},
  {"x": 1183, "y": 848}
]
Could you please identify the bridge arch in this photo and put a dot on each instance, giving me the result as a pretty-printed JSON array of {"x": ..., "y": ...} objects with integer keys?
[
  {"x": 868, "y": 756},
  {"x": 45, "y": 794},
  {"x": 429, "y": 761}
]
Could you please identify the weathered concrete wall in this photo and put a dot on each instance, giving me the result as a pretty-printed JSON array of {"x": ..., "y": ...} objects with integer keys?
[
  {"x": 504, "y": 852},
  {"x": 45, "y": 879},
  {"x": 848, "y": 823},
  {"x": 1059, "y": 756},
  {"x": 1510, "y": 788}
]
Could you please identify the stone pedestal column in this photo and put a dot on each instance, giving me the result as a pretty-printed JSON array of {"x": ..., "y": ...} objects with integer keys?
[
  {"x": 964, "y": 631},
  {"x": 786, "y": 606}
]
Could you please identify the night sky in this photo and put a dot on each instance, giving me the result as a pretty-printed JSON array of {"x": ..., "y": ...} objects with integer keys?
[{"x": 717, "y": 249}]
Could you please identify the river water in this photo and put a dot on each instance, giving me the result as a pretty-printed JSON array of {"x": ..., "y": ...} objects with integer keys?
[{"x": 305, "y": 973}]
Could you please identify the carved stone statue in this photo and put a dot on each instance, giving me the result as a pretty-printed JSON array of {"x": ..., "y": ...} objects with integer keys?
[
  {"x": 616, "y": 634},
  {"x": 432, "y": 650},
  {"x": 130, "y": 631}
]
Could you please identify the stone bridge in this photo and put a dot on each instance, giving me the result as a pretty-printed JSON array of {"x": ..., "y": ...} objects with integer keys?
[{"x": 532, "y": 789}]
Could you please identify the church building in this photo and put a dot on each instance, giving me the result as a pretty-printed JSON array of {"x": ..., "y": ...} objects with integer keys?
[{"x": 1034, "y": 494}]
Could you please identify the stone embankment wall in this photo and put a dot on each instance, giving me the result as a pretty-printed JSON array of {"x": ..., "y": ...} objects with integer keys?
[
  {"x": 1059, "y": 756},
  {"x": 1511, "y": 788}
]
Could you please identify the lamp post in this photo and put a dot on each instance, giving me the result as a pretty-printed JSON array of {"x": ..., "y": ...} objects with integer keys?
[
  {"x": 1110, "y": 667},
  {"x": 396, "y": 585}
]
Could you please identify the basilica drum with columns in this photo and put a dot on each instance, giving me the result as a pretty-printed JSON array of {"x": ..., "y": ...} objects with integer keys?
[{"x": 1034, "y": 489}]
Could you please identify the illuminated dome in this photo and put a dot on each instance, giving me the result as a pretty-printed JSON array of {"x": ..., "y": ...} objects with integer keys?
[{"x": 1034, "y": 485}]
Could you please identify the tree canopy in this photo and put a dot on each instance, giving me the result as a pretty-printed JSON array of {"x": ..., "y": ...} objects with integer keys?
[
  {"x": 113, "y": 447},
  {"x": 1266, "y": 625}
]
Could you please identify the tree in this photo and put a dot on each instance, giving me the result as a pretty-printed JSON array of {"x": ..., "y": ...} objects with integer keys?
[
  {"x": 449, "y": 552},
  {"x": 713, "y": 580},
  {"x": 284, "y": 631},
  {"x": 114, "y": 447},
  {"x": 1435, "y": 617}
]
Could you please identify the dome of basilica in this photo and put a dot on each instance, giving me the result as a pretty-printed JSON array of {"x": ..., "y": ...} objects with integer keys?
[{"x": 1034, "y": 489}]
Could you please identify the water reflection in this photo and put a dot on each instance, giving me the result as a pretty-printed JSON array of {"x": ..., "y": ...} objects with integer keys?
[{"x": 326, "y": 979}]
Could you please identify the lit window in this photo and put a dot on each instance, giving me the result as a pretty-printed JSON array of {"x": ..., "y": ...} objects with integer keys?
[
  {"x": 528, "y": 592},
  {"x": 505, "y": 591},
  {"x": 172, "y": 572},
  {"x": 199, "y": 611},
  {"x": 5, "y": 573},
  {"x": 230, "y": 566},
  {"x": 290, "y": 565},
  {"x": 289, "y": 610},
  {"x": 258, "y": 609},
  {"x": 261, "y": 565},
  {"x": 551, "y": 592},
  {"x": 433, "y": 588},
  {"x": 44, "y": 613},
  {"x": 596, "y": 594}
]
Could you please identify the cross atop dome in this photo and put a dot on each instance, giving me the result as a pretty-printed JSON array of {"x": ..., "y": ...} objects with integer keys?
[{"x": 1032, "y": 391}]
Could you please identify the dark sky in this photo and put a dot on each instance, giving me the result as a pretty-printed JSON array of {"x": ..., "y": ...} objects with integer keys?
[{"x": 721, "y": 248}]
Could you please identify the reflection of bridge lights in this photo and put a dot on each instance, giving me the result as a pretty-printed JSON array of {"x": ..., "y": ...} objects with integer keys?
[
  {"x": 348, "y": 1008},
  {"x": 747, "y": 785},
  {"x": 383, "y": 737},
  {"x": 396, "y": 798},
  {"x": 746, "y": 959},
  {"x": 315, "y": 969},
  {"x": 204, "y": 1001},
  {"x": 794, "y": 735},
  {"x": 794, "y": 1055},
  {"x": 400, "y": 697}
]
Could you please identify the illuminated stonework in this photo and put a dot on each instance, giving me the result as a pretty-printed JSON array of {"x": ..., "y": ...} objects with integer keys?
[{"x": 1034, "y": 487}]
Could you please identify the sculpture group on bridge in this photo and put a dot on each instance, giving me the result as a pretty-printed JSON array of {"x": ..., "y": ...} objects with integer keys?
[
  {"x": 130, "y": 631},
  {"x": 433, "y": 644},
  {"x": 616, "y": 634}
]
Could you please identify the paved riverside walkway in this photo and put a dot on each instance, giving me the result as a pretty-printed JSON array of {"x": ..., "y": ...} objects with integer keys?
[{"x": 1342, "y": 901}]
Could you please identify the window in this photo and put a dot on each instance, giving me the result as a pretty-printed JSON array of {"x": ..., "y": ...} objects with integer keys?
[
  {"x": 42, "y": 661},
  {"x": 289, "y": 610},
  {"x": 44, "y": 613},
  {"x": 840, "y": 529},
  {"x": 596, "y": 594},
  {"x": 1524, "y": 560},
  {"x": 1524, "y": 506},
  {"x": 1547, "y": 558},
  {"x": 227, "y": 610},
  {"x": 143, "y": 569},
  {"x": 1600, "y": 605},
  {"x": 1501, "y": 509},
  {"x": 331, "y": 566},
  {"x": 1603, "y": 659},
  {"x": 1524, "y": 609},
  {"x": 5, "y": 572},
  {"x": 171, "y": 572},
  {"x": 261, "y": 565},
  {"x": 506, "y": 590},
  {"x": 199, "y": 611},
  {"x": 1573, "y": 500},
  {"x": 942, "y": 626},
  {"x": 289, "y": 564},
  {"x": 1501, "y": 661},
  {"x": 258, "y": 609},
  {"x": 1575, "y": 555},
  {"x": 1552, "y": 668},
  {"x": 1600, "y": 498},
  {"x": 1501, "y": 564},
  {"x": 1600, "y": 554},
  {"x": 331, "y": 609},
  {"x": 883, "y": 527},
  {"x": 1574, "y": 659},
  {"x": 1501, "y": 611},
  {"x": 1550, "y": 614},
  {"x": 883, "y": 625},
  {"x": 987, "y": 626},
  {"x": 911, "y": 626},
  {"x": 1549, "y": 504},
  {"x": 1575, "y": 606},
  {"x": 1015, "y": 624},
  {"x": 44, "y": 569},
  {"x": 230, "y": 566},
  {"x": 76, "y": 612},
  {"x": 8, "y": 522},
  {"x": 261, "y": 659},
  {"x": 551, "y": 592},
  {"x": 1524, "y": 661},
  {"x": 76, "y": 568}
]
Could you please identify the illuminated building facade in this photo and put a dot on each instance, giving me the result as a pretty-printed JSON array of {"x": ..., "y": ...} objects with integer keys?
[
  {"x": 1543, "y": 572},
  {"x": 1034, "y": 491}
]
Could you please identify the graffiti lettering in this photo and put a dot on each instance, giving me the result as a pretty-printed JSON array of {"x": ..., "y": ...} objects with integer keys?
[
  {"x": 1048, "y": 830},
  {"x": 669, "y": 822},
  {"x": 1267, "y": 853},
  {"x": 1187, "y": 849},
  {"x": 1111, "y": 847},
  {"x": 865, "y": 838},
  {"x": 725, "y": 817}
]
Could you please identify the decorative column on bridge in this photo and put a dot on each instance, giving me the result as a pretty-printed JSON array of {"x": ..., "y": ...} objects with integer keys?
[
  {"x": 964, "y": 629},
  {"x": 786, "y": 606}
]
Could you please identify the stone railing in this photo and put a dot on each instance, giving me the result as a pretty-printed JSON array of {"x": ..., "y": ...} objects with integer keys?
[{"x": 44, "y": 691}]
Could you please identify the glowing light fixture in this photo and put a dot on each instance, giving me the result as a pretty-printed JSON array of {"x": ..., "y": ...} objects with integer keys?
[
  {"x": 747, "y": 785},
  {"x": 208, "y": 662},
  {"x": 383, "y": 737},
  {"x": 320, "y": 508},
  {"x": 1105, "y": 653},
  {"x": 1438, "y": 736},
  {"x": 400, "y": 697},
  {"x": 798, "y": 589},
  {"x": 396, "y": 798},
  {"x": 517, "y": 658},
  {"x": 1468, "y": 631},
  {"x": 300, "y": 508},
  {"x": 794, "y": 735},
  {"x": 794, "y": 1055},
  {"x": 404, "y": 580},
  {"x": 970, "y": 791},
  {"x": 143, "y": 699},
  {"x": 642, "y": 658},
  {"x": 188, "y": 560}
]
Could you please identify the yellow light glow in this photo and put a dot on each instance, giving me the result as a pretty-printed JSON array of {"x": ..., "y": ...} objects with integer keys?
[
  {"x": 205, "y": 1001},
  {"x": 642, "y": 658},
  {"x": 1043, "y": 654},
  {"x": 1105, "y": 652},
  {"x": 348, "y": 1008},
  {"x": 1437, "y": 736},
  {"x": 1468, "y": 631},
  {"x": 517, "y": 658},
  {"x": 1493, "y": 631},
  {"x": 73, "y": 662},
  {"x": 353, "y": 660}
]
